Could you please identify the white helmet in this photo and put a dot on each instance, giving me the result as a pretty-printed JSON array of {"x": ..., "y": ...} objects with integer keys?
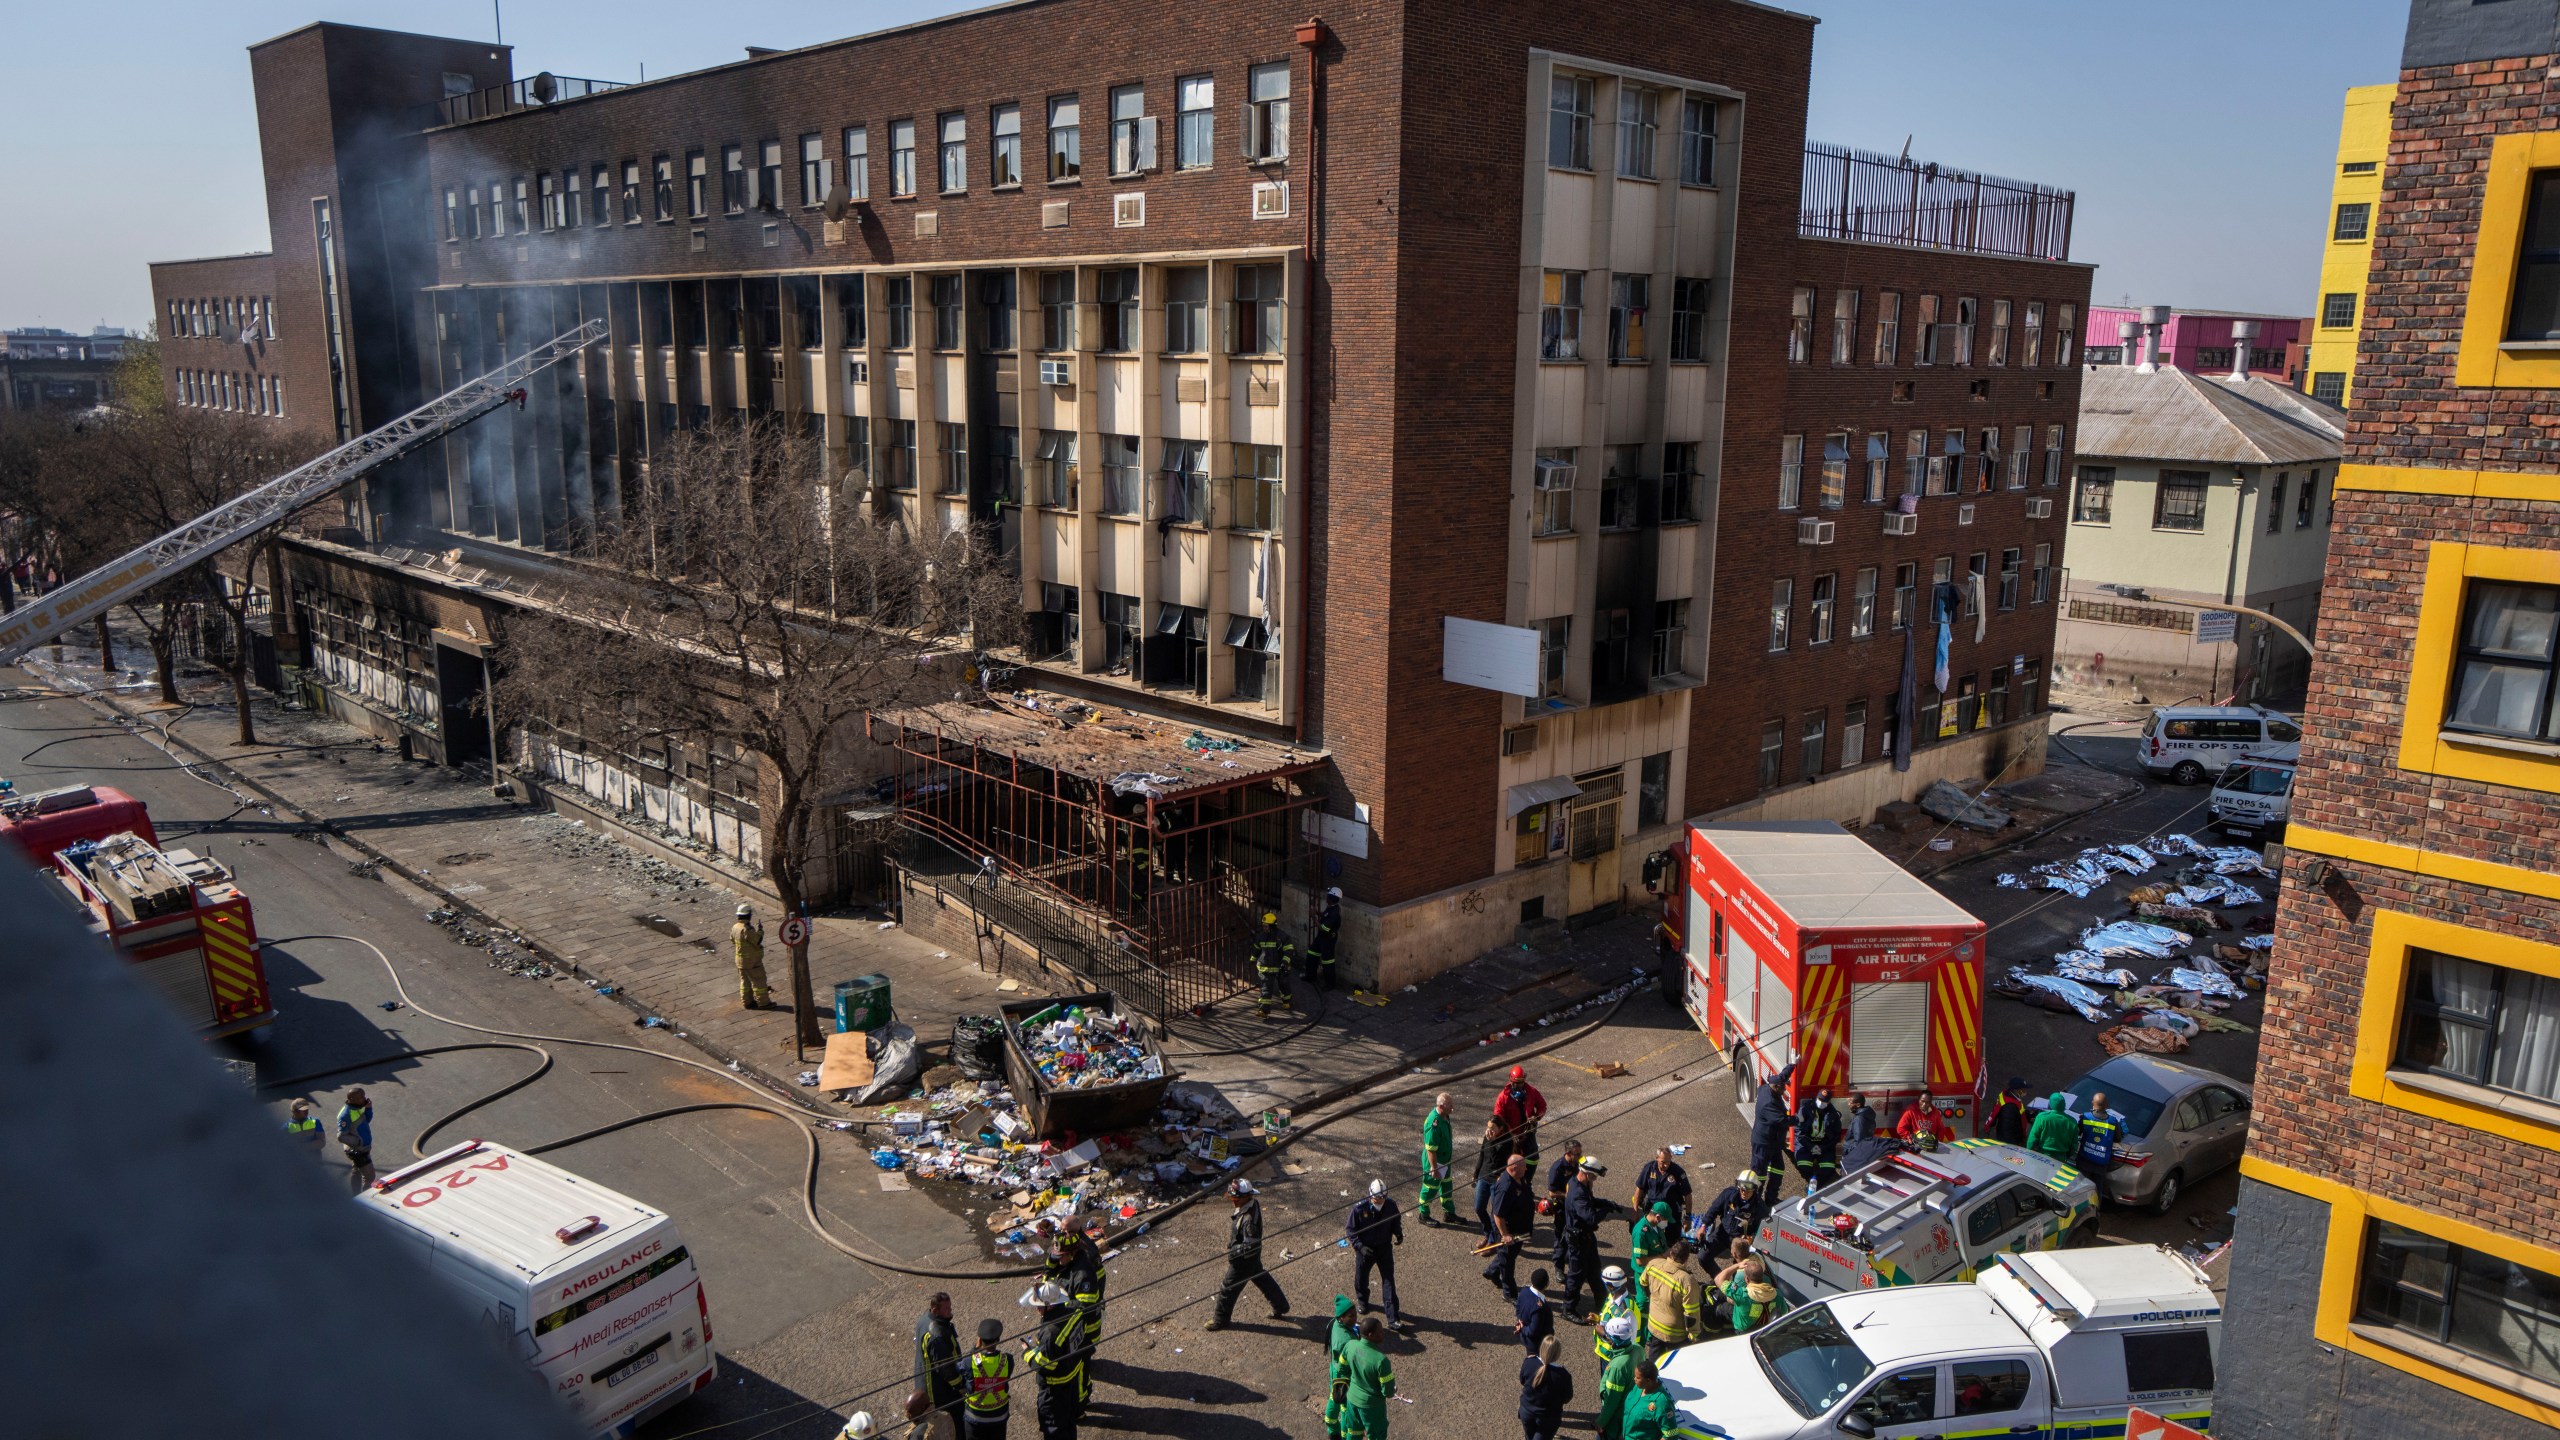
[
  {"x": 743, "y": 912},
  {"x": 1619, "y": 1327},
  {"x": 1748, "y": 1177},
  {"x": 1377, "y": 1188},
  {"x": 1045, "y": 1293},
  {"x": 1615, "y": 1277},
  {"x": 1333, "y": 892},
  {"x": 858, "y": 1426}
]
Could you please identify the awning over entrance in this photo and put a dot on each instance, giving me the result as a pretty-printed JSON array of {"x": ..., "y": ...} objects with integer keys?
[{"x": 1539, "y": 792}]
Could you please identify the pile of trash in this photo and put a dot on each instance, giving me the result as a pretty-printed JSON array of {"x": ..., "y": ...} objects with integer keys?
[
  {"x": 1078, "y": 1049},
  {"x": 975, "y": 1133}
]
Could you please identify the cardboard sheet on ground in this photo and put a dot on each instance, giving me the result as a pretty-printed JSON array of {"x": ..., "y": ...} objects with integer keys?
[{"x": 848, "y": 1063}]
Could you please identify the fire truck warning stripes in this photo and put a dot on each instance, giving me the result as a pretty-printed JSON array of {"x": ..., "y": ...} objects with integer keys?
[
  {"x": 230, "y": 957},
  {"x": 1955, "y": 1024},
  {"x": 1821, "y": 1039}
]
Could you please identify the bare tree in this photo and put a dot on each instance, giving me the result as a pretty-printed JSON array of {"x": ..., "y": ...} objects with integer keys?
[{"x": 743, "y": 603}]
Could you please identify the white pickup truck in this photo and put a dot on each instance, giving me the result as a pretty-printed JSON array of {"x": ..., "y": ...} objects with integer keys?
[{"x": 2040, "y": 1345}]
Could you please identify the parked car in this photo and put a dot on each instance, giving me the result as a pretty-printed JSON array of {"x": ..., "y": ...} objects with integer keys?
[
  {"x": 2255, "y": 796},
  {"x": 2181, "y": 1124},
  {"x": 2189, "y": 742}
]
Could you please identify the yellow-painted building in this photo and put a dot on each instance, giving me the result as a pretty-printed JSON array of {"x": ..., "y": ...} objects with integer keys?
[{"x": 2355, "y": 197}]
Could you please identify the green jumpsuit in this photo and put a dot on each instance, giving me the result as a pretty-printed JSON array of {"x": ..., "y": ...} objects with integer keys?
[
  {"x": 1336, "y": 1378},
  {"x": 1373, "y": 1384},
  {"x": 1615, "y": 1381},
  {"x": 1437, "y": 1148},
  {"x": 1649, "y": 1415}
]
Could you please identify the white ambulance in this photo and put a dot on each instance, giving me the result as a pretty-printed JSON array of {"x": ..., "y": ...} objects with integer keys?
[{"x": 595, "y": 1290}]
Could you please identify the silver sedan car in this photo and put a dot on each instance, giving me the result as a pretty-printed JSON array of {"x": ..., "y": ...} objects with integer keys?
[{"x": 2181, "y": 1124}]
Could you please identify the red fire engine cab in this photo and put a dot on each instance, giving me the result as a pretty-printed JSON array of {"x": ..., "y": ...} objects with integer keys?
[
  {"x": 1800, "y": 942},
  {"x": 182, "y": 923}
]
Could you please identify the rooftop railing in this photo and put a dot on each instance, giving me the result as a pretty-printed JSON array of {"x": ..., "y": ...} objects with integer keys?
[
  {"x": 528, "y": 94},
  {"x": 1862, "y": 195}
]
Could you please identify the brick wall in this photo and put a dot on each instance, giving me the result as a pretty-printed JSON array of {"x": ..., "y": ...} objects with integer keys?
[
  {"x": 1756, "y": 542},
  {"x": 241, "y": 277}
]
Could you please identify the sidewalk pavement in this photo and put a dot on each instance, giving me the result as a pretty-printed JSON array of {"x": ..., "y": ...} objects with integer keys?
[{"x": 651, "y": 923}]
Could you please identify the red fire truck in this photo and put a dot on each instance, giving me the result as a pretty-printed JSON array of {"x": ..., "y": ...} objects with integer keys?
[
  {"x": 181, "y": 921},
  {"x": 1801, "y": 943},
  {"x": 42, "y": 824}
]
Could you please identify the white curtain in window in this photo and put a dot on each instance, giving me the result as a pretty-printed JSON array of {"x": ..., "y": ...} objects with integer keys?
[
  {"x": 2462, "y": 987},
  {"x": 2526, "y": 1055}
]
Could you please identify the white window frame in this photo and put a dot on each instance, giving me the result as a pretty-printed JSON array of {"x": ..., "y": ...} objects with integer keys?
[
  {"x": 1790, "y": 472},
  {"x": 1266, "y": 113},
  {"x": 1195, "y": 122}
]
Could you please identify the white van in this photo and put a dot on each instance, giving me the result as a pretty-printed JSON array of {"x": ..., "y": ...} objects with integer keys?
[
  {"x": 2189, "y": 742},
  {"x": 595, "y": 1290},
  {"x": 2255, "y": 796}
]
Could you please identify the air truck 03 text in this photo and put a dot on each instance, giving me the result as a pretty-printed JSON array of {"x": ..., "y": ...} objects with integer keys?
[{"x": 1799, "y": 942}]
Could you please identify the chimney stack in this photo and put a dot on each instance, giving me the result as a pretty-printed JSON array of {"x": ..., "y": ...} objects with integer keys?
[
  {"x": 2128, "y": 342},
  {"x": 2154, "y": 319},
  {"x": 2242, "y": 332}
]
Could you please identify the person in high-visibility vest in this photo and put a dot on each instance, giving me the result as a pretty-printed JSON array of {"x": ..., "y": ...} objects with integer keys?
[
  {"x": 355, "y": 1136},
  {"x": 1058, "y": 1358},
  {"x": 1671, "y": 1301},
  {"x": 1617, "y": 1372},
  {"x": 990, "y": 1402},
  {"x": 1623, "y": 1303},
  {"x": 1271, "y": 966},
  {"x": 1439, "y": 1145},
  {"x": 2100, "y": 1129},
  {"x": 746, "y": 942},
  {"x": 937, "y": 1355},
  {"x": 302, "y": 1125},
  {"x": 1316, "y": 965},
  {"x": 1337, "y": 1379}
]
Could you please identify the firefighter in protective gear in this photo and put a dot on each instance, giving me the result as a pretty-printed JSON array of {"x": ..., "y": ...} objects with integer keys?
[
  {"x": 1316, "y": 965},
  {"x": 1244, "y": 1259},
  {"x": 1621, "y": 1305},
  {"x": 1579, "y": 1227},
  {"x": 1618, "y": 1372},
  {"x": 1058, "y": 1358},
  {"x": 1671, "y": 1301},
  {"x": 1736, "y": 1214},
  {"x": 1817, "y": 1144},
  {"x": 1271, "y": 965},
  {"x": 1439, "y": 1144},
  {"x": 937, "y": 1355},
  {"x": 746, "y": 941},
  {"x": 990, "y": 1402},
  {"x": 1337, "y": 1380},
  {"x": 1518, "y": 1109},
  {"x": 1371, "y": 1383}
]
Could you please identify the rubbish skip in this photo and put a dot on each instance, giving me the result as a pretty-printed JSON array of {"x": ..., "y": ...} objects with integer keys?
[{"x": 1078, "y": 1064}]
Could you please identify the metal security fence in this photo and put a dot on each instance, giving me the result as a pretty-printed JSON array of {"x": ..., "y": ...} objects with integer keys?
[{"x": 1862, "y": 195}]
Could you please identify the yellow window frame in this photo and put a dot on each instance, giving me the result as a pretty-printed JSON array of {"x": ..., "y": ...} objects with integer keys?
[
  {"x": 2372, "y": 1077},
  {"x": 2485, "y": 357},
  {"x": 2341, "y": 1273},
  {"x": 2425, "y": 746}
]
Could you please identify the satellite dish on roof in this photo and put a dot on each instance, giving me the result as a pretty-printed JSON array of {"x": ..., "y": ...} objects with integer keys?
[
  {"x": 837, "y": 205},
  {"x": 546, "y": 88}
]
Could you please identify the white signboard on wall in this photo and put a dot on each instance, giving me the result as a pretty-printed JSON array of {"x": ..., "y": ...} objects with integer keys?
[
  {"x": 1489, "y": 657},
  {"x": 1334, "y": 833}
]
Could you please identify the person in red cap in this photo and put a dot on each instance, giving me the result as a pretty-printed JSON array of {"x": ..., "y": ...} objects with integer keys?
[{"x": 1517, "y": 1110}]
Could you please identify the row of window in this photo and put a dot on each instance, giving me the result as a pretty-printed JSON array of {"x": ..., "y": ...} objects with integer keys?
[
  {"x": 1943, "y": 335},
  {"x": 228, "y": 317},
  {"x": 1956, "y": 466},
  {"x": 754, "y": 178},
  {"x": 1627, "y": 496},
  {"x": 1630, "y": 302},
  {"x": 1172, "y": 652},
  {"x": 1571, "y": 124},
  {"x": 1177, "y": 491},
  {"x": 1255, "y": 313},
  {"x": 1976, "y": 703},
  {"x": 228, "y": 390},
  {"x": 2179, "y": 496},
  {"x": 1821, "y": 603}
]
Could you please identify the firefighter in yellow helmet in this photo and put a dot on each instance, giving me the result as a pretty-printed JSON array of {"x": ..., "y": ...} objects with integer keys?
[{"x": 1271, "y": 966}]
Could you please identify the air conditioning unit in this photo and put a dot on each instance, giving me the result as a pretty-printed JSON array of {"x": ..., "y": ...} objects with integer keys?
[
  {"x": 1271, "y": 200},
  {"x": 1129, "y": 211},
  {"x": 1519, "y": 739},
  {"x": 2039, "y": 509},
  {"x": 1810, "y": 531},
  {"x": 1897, "y": 524},
  {"x": 1964, "y": 514},
  {"x": 1057, "y": 372}
]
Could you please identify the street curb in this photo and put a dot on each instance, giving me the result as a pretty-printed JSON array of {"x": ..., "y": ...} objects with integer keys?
[{"x": 330, "y": 830}]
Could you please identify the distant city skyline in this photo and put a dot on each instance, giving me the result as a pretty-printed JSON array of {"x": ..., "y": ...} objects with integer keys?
[{"x": 2198, "y": 135}]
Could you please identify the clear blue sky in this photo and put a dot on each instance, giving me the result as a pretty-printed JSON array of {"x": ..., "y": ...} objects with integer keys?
[{"x": 2198, "y": 133}]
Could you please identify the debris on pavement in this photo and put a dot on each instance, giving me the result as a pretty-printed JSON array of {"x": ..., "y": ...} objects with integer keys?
[{"x": 1952, "y": 805}]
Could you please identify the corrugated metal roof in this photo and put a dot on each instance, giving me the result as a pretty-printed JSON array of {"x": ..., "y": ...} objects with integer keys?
[
  {"x": 1826, "y": 878},
  {"x": 2172, "y": 414}
]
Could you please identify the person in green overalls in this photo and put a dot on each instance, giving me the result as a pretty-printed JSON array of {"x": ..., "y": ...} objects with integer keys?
[
  {"x": 1439, "y": 1144},
  {"x": 1618, "y": 1375},
  {"x": 1372, "y": 1382},
  {"x": 1745, "y": 1286},
  {"x": 1337, "y": 1380},
  {"x": 1651, "y": 1235},
  {"x": 1649, "y": 1414}
]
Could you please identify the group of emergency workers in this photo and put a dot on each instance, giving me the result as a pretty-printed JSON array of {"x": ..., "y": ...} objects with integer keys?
[{"x": 1271, "y": 952}]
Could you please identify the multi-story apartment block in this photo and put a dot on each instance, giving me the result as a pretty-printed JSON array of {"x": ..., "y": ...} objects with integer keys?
[
  {"x": 2396, "y": 1270},
  {"x": 2346, "y": 255},
  {"x": 1408, "y": 394}
]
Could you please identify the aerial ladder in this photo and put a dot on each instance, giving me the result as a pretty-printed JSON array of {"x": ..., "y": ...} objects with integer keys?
[{"x": 69, "y": 606}]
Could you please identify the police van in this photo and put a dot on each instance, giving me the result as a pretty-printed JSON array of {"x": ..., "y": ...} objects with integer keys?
[
  {"x": 2255, "y": 796},
  {"x": 2054, "y": 1344},
  {"x": 594, "y": 1290},
  {"x": 1919, "y": 1219},
  {"x": 2189, "y": 742}
]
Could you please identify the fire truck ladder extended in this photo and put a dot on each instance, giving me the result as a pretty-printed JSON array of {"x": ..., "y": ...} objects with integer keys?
[{"x": 88, "y": 597}]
